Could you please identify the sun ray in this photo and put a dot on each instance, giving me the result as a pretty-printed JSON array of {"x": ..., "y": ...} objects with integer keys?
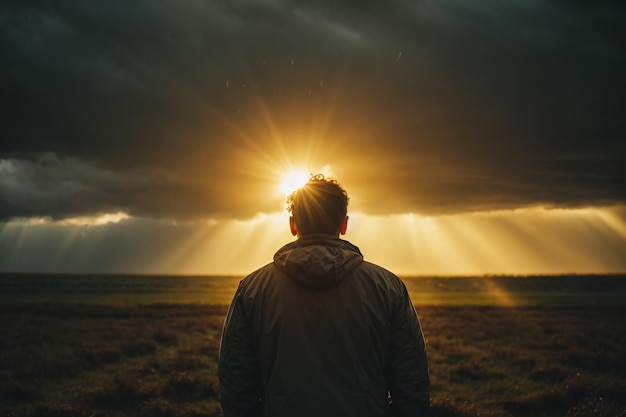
[{"x": 293, "y": 180}]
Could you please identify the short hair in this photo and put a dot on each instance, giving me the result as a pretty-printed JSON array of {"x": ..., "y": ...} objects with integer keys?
[{"x": 319, "y": 206}]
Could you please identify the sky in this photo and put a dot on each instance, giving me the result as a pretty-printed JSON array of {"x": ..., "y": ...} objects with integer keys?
[{"x": 482, "y": 137}]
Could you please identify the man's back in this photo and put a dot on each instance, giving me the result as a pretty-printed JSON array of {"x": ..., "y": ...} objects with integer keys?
[{"x": 320, "y": 332}]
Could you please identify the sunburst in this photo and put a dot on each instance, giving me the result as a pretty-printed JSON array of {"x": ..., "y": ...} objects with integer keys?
[{"x": 292, "y": 181}]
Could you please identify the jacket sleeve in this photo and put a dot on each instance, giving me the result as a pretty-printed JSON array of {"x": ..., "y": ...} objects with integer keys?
[
  {"x": 408, "y": 378},
  {"x": 238, "y": 369}
]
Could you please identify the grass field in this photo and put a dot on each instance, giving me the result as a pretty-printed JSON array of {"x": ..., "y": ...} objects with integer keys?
[
  {"x": 114, "y": 356},
  {"x": 577, "y": 290}
]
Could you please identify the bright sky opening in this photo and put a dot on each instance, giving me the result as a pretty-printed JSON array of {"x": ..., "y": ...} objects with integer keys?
[{"x": 292, "y": 181}]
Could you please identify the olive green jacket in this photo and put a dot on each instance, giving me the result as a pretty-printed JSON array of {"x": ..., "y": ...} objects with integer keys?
[{"x": 321, "y": 332}]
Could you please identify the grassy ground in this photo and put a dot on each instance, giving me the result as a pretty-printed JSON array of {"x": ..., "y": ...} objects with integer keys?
[
  {"x": 71, "y": 359},
  {"x": 577, "y": 290}
]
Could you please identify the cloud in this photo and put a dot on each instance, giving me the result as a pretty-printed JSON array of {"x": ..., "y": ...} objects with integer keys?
[
  {"x": 70, "y": 188},
  {"x": 60, "y": 188},
  {"x": 183, "y": 109}
]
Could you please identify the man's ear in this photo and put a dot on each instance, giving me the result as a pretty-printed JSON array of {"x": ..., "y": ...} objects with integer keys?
[
  {"x": 344, "y": 226},
  {"x": 292, "y": 226}
]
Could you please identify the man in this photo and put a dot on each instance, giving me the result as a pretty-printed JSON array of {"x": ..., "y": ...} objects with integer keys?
[{"x": 319, "y": 331}]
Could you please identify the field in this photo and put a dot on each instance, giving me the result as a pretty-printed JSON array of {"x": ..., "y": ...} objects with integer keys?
[{"x": 147, "y": 346}]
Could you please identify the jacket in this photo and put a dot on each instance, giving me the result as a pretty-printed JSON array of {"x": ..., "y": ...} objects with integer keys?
[{"x": 321, "y": 332}]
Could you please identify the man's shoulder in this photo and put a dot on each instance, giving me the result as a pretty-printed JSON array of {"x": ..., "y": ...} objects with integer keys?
[
  {"x": 378, "y": 272},
  {"x": 373, "y": 268},
  {"x": 264, "y": 272}
]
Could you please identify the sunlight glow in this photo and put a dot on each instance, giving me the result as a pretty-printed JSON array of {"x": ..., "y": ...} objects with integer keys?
[
  {"x": 96, "y": 220},
  {"x": 294, "y": 180},
  {"x": 100, "y": 220},
  {"x": 519, "y": 242},
  {"x": 524, "y": 241}
]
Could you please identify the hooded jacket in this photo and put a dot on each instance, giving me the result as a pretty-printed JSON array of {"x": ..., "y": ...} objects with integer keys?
[{"x": 321, "y": 332}]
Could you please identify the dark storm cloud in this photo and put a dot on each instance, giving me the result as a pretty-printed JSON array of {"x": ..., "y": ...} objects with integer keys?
[
  {"x": 155, "y": 109},
  {"x": 68, "y": 187}
]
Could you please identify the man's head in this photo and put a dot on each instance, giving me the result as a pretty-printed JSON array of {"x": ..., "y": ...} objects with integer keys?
[{"x": 319, "y": 206}]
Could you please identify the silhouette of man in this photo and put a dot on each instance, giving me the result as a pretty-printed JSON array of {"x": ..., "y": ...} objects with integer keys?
[{"x": 319, "y": 331}]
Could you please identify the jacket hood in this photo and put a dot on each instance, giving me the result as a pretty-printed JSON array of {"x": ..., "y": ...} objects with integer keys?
[{"x": 318, "y": 261}]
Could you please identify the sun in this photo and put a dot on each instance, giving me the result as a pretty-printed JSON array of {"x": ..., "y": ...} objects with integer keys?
[{"x": 292, "y": 181}]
